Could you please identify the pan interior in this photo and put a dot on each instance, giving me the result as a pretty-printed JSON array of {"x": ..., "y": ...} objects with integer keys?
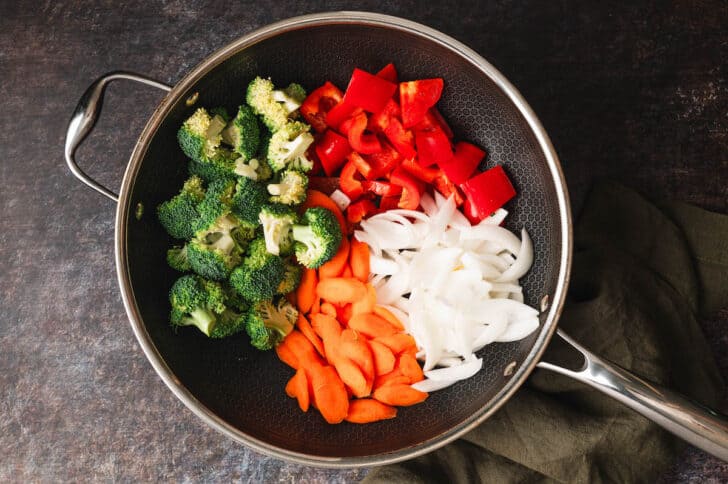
[{"x": 245, "y": 387}]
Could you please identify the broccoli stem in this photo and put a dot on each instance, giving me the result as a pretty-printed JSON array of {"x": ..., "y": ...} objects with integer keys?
[
  {"x": 303, "y": 233},
  {"x": 202, "y": 318}
]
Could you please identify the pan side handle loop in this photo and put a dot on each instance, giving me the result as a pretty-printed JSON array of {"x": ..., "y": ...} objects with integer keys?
[
  {"x": 84, "y": 118},
  {"x": 692, "y": 422}
]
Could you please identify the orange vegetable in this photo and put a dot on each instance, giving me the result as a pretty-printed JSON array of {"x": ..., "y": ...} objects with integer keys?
[
  {"x": 354, "y": 347},
  {"x": 316, "y": 308},
  {"x": 286, "y": 355},
  {"x": 366, "y": 304},
  {"x": 399, "y": 394},
  {"x": 343, "y": 313},
  {"x": 394, "y": 377},
  {"x": 291, "y": 298},
  {"x": 297, "y": 388},
  {"x": 410, "y": 368},
  {"x": 372, "y": 325},
  {"x": 339, "y": 290},
  {"x": 306, "y": 292},
  {"x": 398, "y": 343},
  {"x": 329, "y": 393},
  {"x": 347, "y": 271},
  {"x": 359, "y": 260},
  {"x": 302, "y": 348},
  {"x": 315, "y": 198},
  {"x": 383, "y": 358},
  {"x": 335, "y": 266},
  {"x": 329, "y": 330},
  {"x": 352, "y": 376},
  {"x": 366, "y": 410},
  {"x": 305, "y": 327},
  {"x": 387, "y": 314},
  {"x": 328, "y": 308}
]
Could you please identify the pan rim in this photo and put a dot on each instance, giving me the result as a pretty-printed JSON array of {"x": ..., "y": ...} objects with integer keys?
[{"x": 124, "y": 212}]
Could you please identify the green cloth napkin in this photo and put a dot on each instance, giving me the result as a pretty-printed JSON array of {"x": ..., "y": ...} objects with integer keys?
[{"x": 642, "y": 275}]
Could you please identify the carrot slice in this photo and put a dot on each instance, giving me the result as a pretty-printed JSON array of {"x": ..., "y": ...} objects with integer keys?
[
  {"x": 367, "y": 410},
  {"x": 306, "y": 292},
  {"x": 366, "y": 304},
  {"x": 371, "y": 325},
  {"x": 387, "y": 314},
  {"x": 316, "y": 307},
  {"x": 399, "y": 394},
  {"x": 329, "y": 330},
  {"x": 328, "y": 308},
  {"x": 302, "y": 348},
  {"x": 355, "y": 347},
  {"x": 286, "y": 355},
  {"x": 359, "y": 260},
  {"x": 335, "y": 266},
  {"x": 410, "y": 368},
  {"x": 343, "y": 313},
  {"x": 398, "y": 342},
  {"x": 340, "y": 290},
  {"x": 347, "y": 271},
  {"x": 352, "y": 376},
  {"x": 305, "y": 327},
  {"x": 383, "y": 358},
  {"x": 394, "y": 377},
  {"x": 315, "y": 198},
  {"x": 329, "y": 393},
  {"x": 297, "y": 388}
]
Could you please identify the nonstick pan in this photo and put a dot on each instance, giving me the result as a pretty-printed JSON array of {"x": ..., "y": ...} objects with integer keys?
[{"x": 237, "y": 389}]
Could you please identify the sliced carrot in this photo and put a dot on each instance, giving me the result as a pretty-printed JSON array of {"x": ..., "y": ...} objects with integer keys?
[
  {"x": 410, "y": 368},
  {"x": 305, "y": 327},
  {"x": 286, "y": 355},
  {"x": 328, "y": 308},
  {"x": 335, "y": 266},
  {"x": 383, "y": 358},
  {"x": 302, "y": 349},
  {"x": 366, "y": 410},
  {"x": 329, "y": 329},
  {"x": 291, "y": 298},
  {"x": 371, "y": 325},
  {"x": 394, "y": 377},
  {"x": 343, "y": 313},
  {"x": 329, "y": 393},
  {"x": 316, "y": 307},
  {"x": 399, "y": 394},
  {"x": 297, "y": 388},
  {"x": 387, "y": 314},
  {"x": 347, "y": 271},
  {"x": 355, "y": 347},
  {"x": 359, "y": 260},
  {"x": 366, "y": 304},
  {"x": 315, "y": 198},
  {"x": 352, "y": 376},
  {"x": 398, "y": 342},
  {"x": 306, "y": 292},
  {"x": 340, "y": 290}
]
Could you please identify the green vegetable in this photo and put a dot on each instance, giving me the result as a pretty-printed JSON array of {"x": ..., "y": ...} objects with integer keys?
[
  {"x": 270, "y": 321},
  {"x": 287, "y": 147},
  {"x": 216, "y": 203},
  {"x": 318, "y": 239},
  {"x": 216, "y": 251},
  {"x": 291, "y": 278},
  {"x": 274, "y": 106},
  {"x": 259, "y": 275},
  {"x": 177, "y": 259},
  {"x": 243, "y": 133},
  {"x": 290, "y": 189},
  {"x": 277, "y": 221},
  {"x": 179, "y": 214},
  {"x": 200, "y": 136},
  {"x": 249, "y": 198}
]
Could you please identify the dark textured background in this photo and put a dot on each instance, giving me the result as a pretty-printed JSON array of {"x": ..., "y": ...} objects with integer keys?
[{"x": 636, "y": 93}]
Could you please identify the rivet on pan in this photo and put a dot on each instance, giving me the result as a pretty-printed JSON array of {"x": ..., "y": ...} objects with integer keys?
[
  {"x": 192, "y": 99},
  {"x": 544, "y": 303},
  {"x": 509, "y": 369}
]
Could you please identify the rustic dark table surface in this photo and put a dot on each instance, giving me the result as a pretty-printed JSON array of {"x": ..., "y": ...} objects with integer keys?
[{"x": 636, "y": 93}]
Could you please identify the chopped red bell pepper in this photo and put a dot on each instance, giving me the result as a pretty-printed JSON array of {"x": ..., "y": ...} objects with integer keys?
[
  {"x": 433, "y": 146},
  {"x": 388, "y": 203},
  {"x": 332, "y": 149},
  {"x": 348, "y": 182},
  {"x": 433, "y": 119},
  {"x": 318, "y": 103},
  {"x": 470, "y": 212},
  {"x": 340, "y": 113},
  {"x": 388, "y": 72},
  {"x": 402, "y": 140},
  {"x": 381, "y": 188},
  {"x": 378, "y": 121},
  {"x": 488, "y": 191},
  {"x": 447, "y": 188},
  {"x": 463, "y": 163},
  {"x": 365, "y": 144},
  {"x": 420, "y": 172},
  {"x": 368, "y": 92},
  {"x": 411, "y": 188},
  {"x": 360, "y": 209},
  {"x": 416, "y": 97},
  {"x": 362, "y": 166},
  {"x": 384, "y": 161}
]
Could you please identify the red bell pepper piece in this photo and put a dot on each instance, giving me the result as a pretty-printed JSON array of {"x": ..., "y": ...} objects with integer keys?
[
  {"x": 411, "y": 189},
  {"x": 378, "y": 121},
  {"x": 388, "y": 72},
  {"x": 470, "y": 212},
  {"x": 432, "y": 120},
  {"x": 463, "y": 163},
  {"x": 348, "y": 182},
  {"x": 368, "y": 92},
  {"x": 340, "y": 113},
  {"x": 384, "y": 161},
  {"x": 362, "y": 166},
  {"x": 433, "y": 146},
  {"x": 360, "y": 209},
  {"x": 332, "y": 149},
  {"x": 318, "y": 103},
  {"x": 420, "y": 172},
  {"x": 402, "y": 140},
  {"x": 382, "y": 188},
  {"x": 363, "y": 143},
  {"x": 447, "y": 188},
  {"x": 488, "y": 191},
  {"x": 416, "y": 97},
  {"x": 388, "y": 203}
]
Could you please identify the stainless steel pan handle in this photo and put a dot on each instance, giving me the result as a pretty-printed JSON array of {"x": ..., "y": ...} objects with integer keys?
[
  {"x": 689, "y": 420},
  {"x": 85, "y": 116}
]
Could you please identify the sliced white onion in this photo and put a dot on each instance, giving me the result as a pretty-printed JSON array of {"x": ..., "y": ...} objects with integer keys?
[
  {"x": 340, "y": 199},
  {"x": 494, "y": 233},
  {"x": 382, "y": 266},
  {"x": 496, "y": 218},
  {"x": 518, "y": 330},
  {"x": 459, "y": 372},
  {"x": 428, "y": 385},
  {"x": 523, "y": 262}
]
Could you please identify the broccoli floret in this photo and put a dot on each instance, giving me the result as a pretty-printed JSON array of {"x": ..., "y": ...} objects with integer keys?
[
  {"x": 291, "y": 278},
  {"x": 249, "y": 198},
  {"x": 177, "y": 259},
  {"x": 275, "y": 106},
  {"x": 277, "y": 221},
  {"x": 269, "y": 322},
  {"x": 259, "y": 275},
  {"x": 318, "y": 239},
  {"x": 217, "y": 169},
  {"x": 214, "y": 252},
  {"x": 287, "y": 147},
  {"x": 228, "y": 323},
  {"x": 290, "y": 189},
  {"x": 200, "y": 136},
  {"x": 196, "y": 302},
  {"x": 217, "y": 202},
  {"x": 179, "y": 214},
  {"x": 243, "y": 133},
  {"x": 222, "y": 112}
]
